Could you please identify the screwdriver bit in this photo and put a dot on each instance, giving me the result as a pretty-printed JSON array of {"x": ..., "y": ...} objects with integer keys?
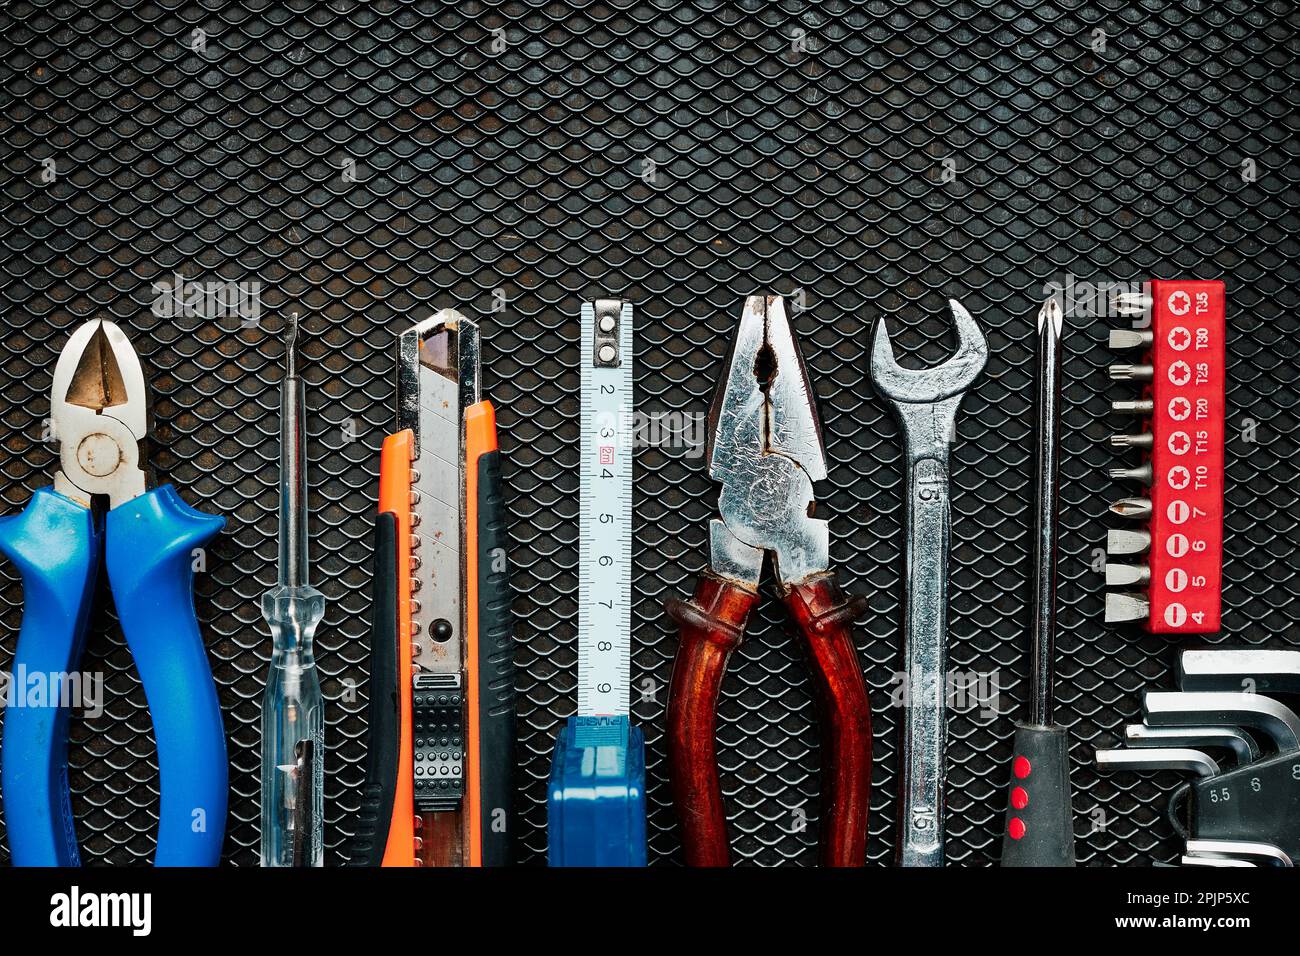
[
  {"x": 1131, "y": 303},
  {"x": 1143, "y": 406},
  {"x": 1141, "y": 473},
  {"x": 1131, "y": 373},
  {"x": 1126, "y": 575},
  {"x": 1140, "y": 440},
  {"x": 1137, "y": 508},
  {"x": 1131, "y": 338},
  {"x": 1122, "y": 608},
  {"x": 1127, "y": 542}
]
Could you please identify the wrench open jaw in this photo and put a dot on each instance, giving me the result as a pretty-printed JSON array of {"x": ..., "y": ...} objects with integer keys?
[
  {"x": 765, "y": 449},
  {"x": 925, "y": 401},
  {"x": 930, "y": 385}
]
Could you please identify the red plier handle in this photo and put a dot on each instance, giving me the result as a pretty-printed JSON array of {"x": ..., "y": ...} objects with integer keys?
[{"x": 712, "y": 626}]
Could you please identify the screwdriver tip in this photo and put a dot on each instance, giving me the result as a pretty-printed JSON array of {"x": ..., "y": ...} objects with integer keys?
[
  {"x": 1051, "y": 316},
  {"x": 1132, "y": 508},
  {"x": 1122, "y": 608},
  {"x": 291, "y": 345},
  {"x": 1125, "y": 372},
  {"x": 1140, "y": 440},
  {"x": 1142, "y": 406},
  {"x": 1142, "y": 473},
  {"x": 1130, "y": 338},
  {"x": 1131, "y": 303},
  {"x": 1127, "y": 542},
  {"x": 1127, "y": 575}
]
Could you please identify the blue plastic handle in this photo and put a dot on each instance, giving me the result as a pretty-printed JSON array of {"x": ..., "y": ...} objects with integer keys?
[
  {"x": 596, "y": 808},
  {"x": 56, "y": 548},
  {"x": 149, "y": 550}
]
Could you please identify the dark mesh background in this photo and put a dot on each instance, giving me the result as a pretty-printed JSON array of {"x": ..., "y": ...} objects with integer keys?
[{"x": 795, "y": 146}]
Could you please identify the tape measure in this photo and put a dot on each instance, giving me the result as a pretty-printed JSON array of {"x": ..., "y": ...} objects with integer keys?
[
  {"x": 595, "y": 808},
  {"x": 605, "y": 520}
]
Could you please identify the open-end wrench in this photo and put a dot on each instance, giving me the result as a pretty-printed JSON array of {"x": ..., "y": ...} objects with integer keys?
[{"x": 925, "y": 401}]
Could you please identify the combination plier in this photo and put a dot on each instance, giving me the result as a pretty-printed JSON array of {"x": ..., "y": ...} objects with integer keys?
[{"x": 765, "y": 448}]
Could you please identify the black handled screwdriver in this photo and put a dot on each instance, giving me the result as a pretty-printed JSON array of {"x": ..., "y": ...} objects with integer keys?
[{"x": 1040, "y": 820}]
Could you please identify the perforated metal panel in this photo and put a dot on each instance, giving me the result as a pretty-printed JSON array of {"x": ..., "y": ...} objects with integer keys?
[{"x": 366, "y": 162}]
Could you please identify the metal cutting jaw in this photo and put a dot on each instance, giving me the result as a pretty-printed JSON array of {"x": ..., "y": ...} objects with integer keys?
[
  {"x": 99, "y": 415},
  {"x": 765, "y": 447}
]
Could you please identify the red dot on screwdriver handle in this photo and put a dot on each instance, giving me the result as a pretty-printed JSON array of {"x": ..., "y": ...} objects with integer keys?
[
  {"x": 1021, "y": 768},
  {"x": 1019, "y": 798},
  {"x": 1016, "y": 828}
]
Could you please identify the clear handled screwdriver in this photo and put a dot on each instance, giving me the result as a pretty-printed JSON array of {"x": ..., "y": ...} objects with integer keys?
[{"x": 293, "y": 779}]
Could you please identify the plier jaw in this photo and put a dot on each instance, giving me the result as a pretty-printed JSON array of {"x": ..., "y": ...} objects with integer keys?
[
  {"x": 765, "y": 448},
  {"x": 99, "y": 413}
]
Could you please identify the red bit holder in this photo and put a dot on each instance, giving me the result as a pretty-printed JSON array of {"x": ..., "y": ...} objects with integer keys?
[{"x": 1185, "y": 401}]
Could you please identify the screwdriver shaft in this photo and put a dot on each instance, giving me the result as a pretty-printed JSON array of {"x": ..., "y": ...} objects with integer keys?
[
  {"x": 1049, "y": 428},
  {"x": 293, "y": 468}
]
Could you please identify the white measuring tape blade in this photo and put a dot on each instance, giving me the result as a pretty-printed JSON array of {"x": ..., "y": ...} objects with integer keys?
[{"x": 605, "y": 514}]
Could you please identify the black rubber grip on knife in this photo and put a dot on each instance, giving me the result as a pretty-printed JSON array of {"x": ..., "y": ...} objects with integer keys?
[
  {"x": 382, "y": 715},
  {"x": 496, "y": 670},
  {"x": 1040, "y": 817}
]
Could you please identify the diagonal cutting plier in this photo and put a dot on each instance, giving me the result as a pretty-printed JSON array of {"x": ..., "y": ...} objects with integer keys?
[
  {"x": 764, "y": 446},
  {"x": 146, "y": 540}
]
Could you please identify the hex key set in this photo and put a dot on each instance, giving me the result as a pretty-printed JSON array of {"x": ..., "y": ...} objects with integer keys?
[{"x": 679, "y": 161}]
